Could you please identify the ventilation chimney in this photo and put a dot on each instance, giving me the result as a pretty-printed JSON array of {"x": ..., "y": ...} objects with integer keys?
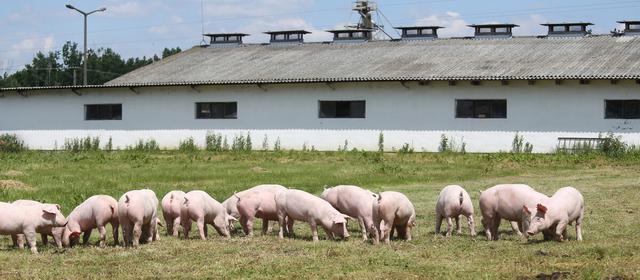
[
  {"x": 498, "y": 30},
  {"x": 225, "y": 39},
  {"x": 576, "y": 29},
  {"x": 287, "y": 36},
  {"x": 419, "y": 32},
  {"x": 631, "y": 27},
  {"x": 351, "y": 35}
]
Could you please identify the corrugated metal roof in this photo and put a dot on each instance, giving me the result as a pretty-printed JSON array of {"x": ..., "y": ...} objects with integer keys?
[
  {"x": 520, "y": 58},
  {"x": 595, "y": 57}
]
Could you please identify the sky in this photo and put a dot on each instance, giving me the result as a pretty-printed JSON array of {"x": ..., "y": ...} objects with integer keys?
[{"x": 136, "y": 28}]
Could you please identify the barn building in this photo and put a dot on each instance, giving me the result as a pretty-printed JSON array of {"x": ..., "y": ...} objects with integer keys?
[{"x": 562, "y": 88}]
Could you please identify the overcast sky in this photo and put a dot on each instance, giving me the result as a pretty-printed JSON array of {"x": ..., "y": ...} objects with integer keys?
[{"x": 145, "y": 27}]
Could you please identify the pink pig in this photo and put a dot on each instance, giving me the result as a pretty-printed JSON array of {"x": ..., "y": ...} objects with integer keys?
[
  {"x": 563, "y": 208},
  {"x": 505, "y": 202},
  {"x": 56, "y": 232},
  {"x": 199, "y": 206},
  {"x": 17, "y": 219},
  {"x": 171, "y": 203},
  {"x": 258, "y": 202},
  {"x": 454, "y": 201},
  {"x": 138, "y": 216},
  {"x": 395, "y": 212},
  {"x": 357, "y": 203},
  {"x": 95, "y": 212},
  {"x": 302, "y": 206}
]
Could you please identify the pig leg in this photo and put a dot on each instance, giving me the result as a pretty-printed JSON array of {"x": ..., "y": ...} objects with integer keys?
[
  {"x": 58, "y": 240},
  {"x": 458, "y": 227},
  {"x": 30, "y": 235},
  {"x": 103, "y": 235},
  {"x": 169, "y": 221},
  {"x": 283, "y": 225},
  {"x": 579, "y": 227},
  {"x": 407, "y": 232},
  {"x": 314, "y": 230},
  {"x": 206, "y": 231},
  {"x": 449, "y": 226},
  {"x": 516, "y": 228},
  {"x": 368, "y": 223},
  {"x": 114, "y": 227},
  {"x": 174, "y": 227},
  {"x": 86, "y": 236},
  {"x": 290, "y": 226},
  {"x": 18, "y": 240},
  {"x": 201, "y": 227},
  {"x": 186, "y": 227},
  {"x": 265, "y": 227},
  {"x": 560, "y": 230},
  {"x": 244, "y": 220},
  {"x": 386, "y": 231},
  {"x": 472, "y": 225},
  {"x": 137, "y": 232},
  {"x": 363, "y": 228},
  {"x": 45, "y": 239},
  {"x": 487, "y": 224},
  {"x": 153, "y": 230},
  {"x": 438, "y": 223}
]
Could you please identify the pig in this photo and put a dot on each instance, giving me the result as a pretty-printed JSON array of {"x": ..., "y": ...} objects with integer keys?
[
  {"x": 395, "y": 212},
  {"x": 563, "y": 208},
  {"x": 171, "y": 211},
  {"x": 200, "y": 207},
  {"x": 56, "y": 232},
  {"x": 18, "y": 219},
  {"x": 258, "y": 202},
  {"x": 505, "y": 202},
  {"x": 95, "y": 212},
  {"x": 302, "y": 206},
  {"x": 138, "y": 216},
  {"x": 454, "y": 201},
  {"x": 231, "y": 204},
  {"x": 357, "y": 203}
]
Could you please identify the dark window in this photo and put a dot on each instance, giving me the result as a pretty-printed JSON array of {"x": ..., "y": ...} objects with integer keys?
[
  {"x": 96, "y": 112},
  {"x": 217, "y": 110},
  {"x": 342, "y": 109},
  {"x": 622, "y": 109},
  {"x": 481, "y": 109}
]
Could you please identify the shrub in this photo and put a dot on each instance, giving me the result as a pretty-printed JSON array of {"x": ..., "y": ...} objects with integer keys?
[
  {"x": 612, "y": 146},
  {"x": 144, "y": 146},
  {"x": 188, "y": 145},
  {"x": 406, "y": 149},
  {"x": 276, "y": 145},
  {"x": 445, "y": 145},
  {"x": 381, "y": 142},
  {"x": 109, "y": 146},
  {"x": 82, "y": 144},
  {"x": 213, "y": 142},
  {"x": 10, "y": 143},
  {"x": 518, "y": 145},
  {"x": 265, "y": 143}
]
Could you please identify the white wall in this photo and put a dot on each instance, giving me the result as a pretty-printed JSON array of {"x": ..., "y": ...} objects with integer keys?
[{"x": 418, "y": 115}]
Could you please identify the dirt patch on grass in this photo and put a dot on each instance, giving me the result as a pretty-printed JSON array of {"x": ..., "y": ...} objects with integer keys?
[
  {"x": 259, "y": 169},
  {"x": 13, "y": 173},
  {"x": 14, "y": 185}
]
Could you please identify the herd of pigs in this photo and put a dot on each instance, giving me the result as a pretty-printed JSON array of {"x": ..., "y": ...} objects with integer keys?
[{"x": 380, "y": 215}]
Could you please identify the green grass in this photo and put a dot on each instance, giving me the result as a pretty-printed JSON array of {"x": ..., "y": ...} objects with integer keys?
[{"x": 611, "y": 229}]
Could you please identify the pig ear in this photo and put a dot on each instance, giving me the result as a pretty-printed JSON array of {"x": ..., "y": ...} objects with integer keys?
[
  {"x": 50, "y": 209},
  {"x": 75, "y": 234},
  {"x": 231, "y": 218},
  {"x": 347, "y": 217},
  {"x": 542, "y": 209},
  {"x": 58, "y": 206},
  {"x": 525, "y": 209},
  {"x": 158, "y": 222}
]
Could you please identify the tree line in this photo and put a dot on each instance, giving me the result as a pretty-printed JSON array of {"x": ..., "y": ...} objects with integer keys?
[{"x": 65, "y": 67}]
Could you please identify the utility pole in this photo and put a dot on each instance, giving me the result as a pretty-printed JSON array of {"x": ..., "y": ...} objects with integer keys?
[
  {"x": 366, "y": 9},
  {"x": 86, "y": 55}
]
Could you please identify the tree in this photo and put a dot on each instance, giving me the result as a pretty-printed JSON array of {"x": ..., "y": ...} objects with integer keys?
[{"x": 57, "y": 68}]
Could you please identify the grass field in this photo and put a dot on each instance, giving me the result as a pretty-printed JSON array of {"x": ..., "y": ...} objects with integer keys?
[{"x": 611, "y": 246}]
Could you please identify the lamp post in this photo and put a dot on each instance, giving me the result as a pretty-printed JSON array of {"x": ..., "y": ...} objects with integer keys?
[{"x": 86, "y": 55}]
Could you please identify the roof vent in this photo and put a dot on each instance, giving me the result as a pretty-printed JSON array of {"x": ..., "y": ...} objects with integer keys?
[
  {"x": 225, "y": 39},
  {"x": 351, "y": 35},
  {"x": 576, "y": 29},
  {"x": 631, "y": 27},
  {"x": 287, "y": 36},
  {"x": 498, "y": 30},
  {"x": 419, "y": 32}
]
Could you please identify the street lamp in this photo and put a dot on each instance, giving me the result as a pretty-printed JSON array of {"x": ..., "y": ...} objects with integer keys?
[{"x": 86, "y": 55}]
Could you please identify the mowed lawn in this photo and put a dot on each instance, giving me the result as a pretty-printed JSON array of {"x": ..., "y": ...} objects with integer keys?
[{"x": 611, "y": 246}]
